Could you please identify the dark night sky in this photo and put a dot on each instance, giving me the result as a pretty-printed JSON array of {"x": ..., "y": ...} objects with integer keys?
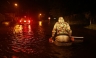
[{"x": 45, "y": 5}]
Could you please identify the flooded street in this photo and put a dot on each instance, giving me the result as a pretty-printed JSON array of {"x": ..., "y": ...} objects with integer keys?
[{"x": 31, "y": 41}]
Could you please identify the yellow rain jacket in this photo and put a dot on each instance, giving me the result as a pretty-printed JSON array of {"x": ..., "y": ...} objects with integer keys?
[{"x": 61, "y": 28}]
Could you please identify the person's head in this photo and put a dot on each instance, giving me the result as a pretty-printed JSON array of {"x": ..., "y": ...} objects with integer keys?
[{"x": 61, "y": 19}]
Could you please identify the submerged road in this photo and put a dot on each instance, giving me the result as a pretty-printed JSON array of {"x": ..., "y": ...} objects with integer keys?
[{"x": 31, "y": 41}]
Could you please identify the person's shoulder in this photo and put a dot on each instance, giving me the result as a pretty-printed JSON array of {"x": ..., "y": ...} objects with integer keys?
[
  {"x": 66, "y": 23},
  {"x": 57, "y": 23}
]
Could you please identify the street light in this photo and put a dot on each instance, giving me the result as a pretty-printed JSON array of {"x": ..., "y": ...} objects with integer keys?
[
  {"x": 40, "y": 16},
  {"x": 16, "y": 4},
  {"x": 16, "y": 11}
]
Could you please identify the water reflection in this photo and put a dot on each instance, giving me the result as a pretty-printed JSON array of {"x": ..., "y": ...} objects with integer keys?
[
  {"x": 17, "y": 29},
  {"x": 22, "y": 39},
  {"x": 40, "y": 32},
  {"x": 14, "y": 56},
  {"x": 60, "y": 52},
  {"x": 28, "y": 40},
  {"x": 40, "y": 23}
]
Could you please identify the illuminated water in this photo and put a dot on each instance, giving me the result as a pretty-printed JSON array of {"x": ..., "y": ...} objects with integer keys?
[{"x": 31, "y": 41}]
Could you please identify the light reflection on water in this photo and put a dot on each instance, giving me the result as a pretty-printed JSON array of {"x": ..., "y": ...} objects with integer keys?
[
  {"x": 31, "y": 40},
  {"x": 27, "y": 39},
  {"x": 40, "y": 23}
]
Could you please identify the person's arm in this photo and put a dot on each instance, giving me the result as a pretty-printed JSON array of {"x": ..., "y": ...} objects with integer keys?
[
  {"x": 69, "y": 29},
  {"x": 54, "y": 30}
]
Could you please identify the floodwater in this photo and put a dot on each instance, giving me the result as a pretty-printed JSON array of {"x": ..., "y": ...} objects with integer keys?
[{"x": 31, "y": 41}]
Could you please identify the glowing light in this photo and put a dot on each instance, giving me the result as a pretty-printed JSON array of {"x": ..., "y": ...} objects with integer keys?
[
  {"x": 6, "y": 23},
  {"x": 18, "y": 29},
  {"x": 16, "y": 4},
  {"x": 24, "y": 16},
  {"x": 40, "y": 14},
  {"x": 29, "y": 27},
  {"x": 40, "y": 23},
  {"x": 20, "y": 20},
  {"x": 29, "y": 21},
  {"x": 54, "y": 18},
  {"x": 14, "y": 56},
  {"x": 20, "y": 26},
  {"x": 49, "y": 18},
  {"x": 24, "y": 20}
]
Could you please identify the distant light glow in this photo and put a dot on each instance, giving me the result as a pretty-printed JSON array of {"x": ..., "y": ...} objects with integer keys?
[
  {"x": 6, "y": 23},
  {"x": 40, "y": 23},
  {"x": 16, "y": 4},
  {"x": 40, "y": 14},
  {"x": 24, "y": 16},
  {"x": 29, "y": 27},
  {"x": 24, "y": 20},
  {"x": 20, "y": 20},
  {"x": 54, "y": 18},
  {"x": 29, "y": 21},
  {"x": 49, "y": 18}
]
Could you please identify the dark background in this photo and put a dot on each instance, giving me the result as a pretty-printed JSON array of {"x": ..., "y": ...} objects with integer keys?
[
  {"x": 75, "y": 9},
  {"x": 35, "y": 6}
]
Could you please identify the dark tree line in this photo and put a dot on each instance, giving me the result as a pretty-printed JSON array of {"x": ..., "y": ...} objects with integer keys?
[
  {"x": 75, "y": 10},
  {"x": 68, "y": 7}
]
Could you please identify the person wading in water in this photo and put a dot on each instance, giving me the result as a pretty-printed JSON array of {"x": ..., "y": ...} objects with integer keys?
[{"x": 61, "y": 28}]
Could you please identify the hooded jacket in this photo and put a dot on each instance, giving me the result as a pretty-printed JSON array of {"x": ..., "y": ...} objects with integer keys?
[{"x": 61, "y": 28}]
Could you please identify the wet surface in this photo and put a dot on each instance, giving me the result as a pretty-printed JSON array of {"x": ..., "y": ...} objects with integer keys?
[{"x": 31, "y": 41}]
